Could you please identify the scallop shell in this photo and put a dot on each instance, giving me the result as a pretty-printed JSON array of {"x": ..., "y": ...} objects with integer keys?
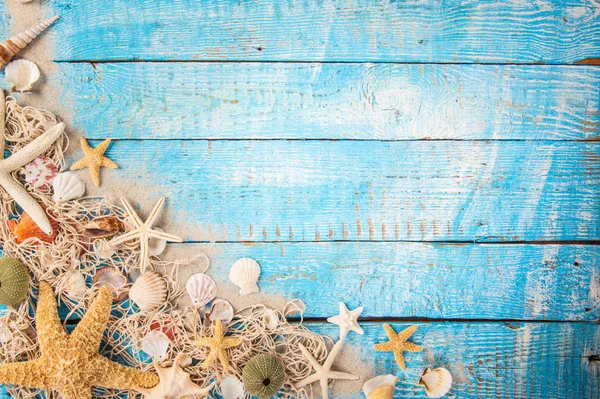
[
  {"x": 263, "y": 376},
  {"x": 14, "y": 282},
  {"x": 245, "y": 273},
  {"x": 26, "y": 228},
  {"x": 201, "y": 289},
  {"x": 113, "y": 278},
  {"x": 156, "y": 343},
  {"x": 21, "y": 74},
  {"x": 40, "y": 172},
  {"x": 11, "y": 47},
  {"x": 76, "y": 285},
  {"x": 270, "y": 319},
  {"x": 232, "y": 388},
  {"x": 220, "y": 309},
  {"x": 149, "y": 291},
  {"x": 380, "y": 387},
  {"x": 156, "y": 246},
  {"x": 67, "y": 186},
  {"x": 103, "y": 227},
  {"x": 437, "y": 382}
]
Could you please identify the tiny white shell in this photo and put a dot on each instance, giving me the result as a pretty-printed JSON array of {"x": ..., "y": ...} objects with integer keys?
[
  {"x": 21, "y": 74},
  {"x": 270, "y": 319},
  {"x": 156, "y": 343},
  {"x": 156, "y": 246},
  {"x": 76, "y": 285},
  {"x": 5, "y": 334},
  {"x": 201, "y": 289},
  {"x": 232, "y": 388},
  {"x": 67, "y": 186},
  {"x": 437, "y": 382},
  {"x": 380, "y": 387},
  {"x": 245, "y": 273},
  {"x": 149, "y": 291},
  {"x": 220, "y": 309}
]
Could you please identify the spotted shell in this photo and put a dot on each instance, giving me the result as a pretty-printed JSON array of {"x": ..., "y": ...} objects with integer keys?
[
  {"x": 103, "y": 227},
  {"x": 113, "y": 278},
  {"x": 26, "y": 228},
  {"x": 263, "y": 376},
  {"x": 14, "y": 282},
  {"x": 40, "y": 172},
  {"x": 149, "y": 291}
]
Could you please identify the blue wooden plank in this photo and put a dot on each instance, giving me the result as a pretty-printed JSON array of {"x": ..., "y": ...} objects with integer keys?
[
  {"x": 470, "y": 31},
  {"x": 348, "y": 190},
  {"x": 331, "y": 101}
]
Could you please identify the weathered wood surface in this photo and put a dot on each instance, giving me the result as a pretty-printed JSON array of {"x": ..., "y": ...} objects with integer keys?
[
  {"x": 466, "y": 31},
  {"x": 371, "y": 191},
  {"x": 332, "y": 101}
]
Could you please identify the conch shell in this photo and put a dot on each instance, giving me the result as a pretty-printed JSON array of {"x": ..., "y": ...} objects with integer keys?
[
  {"x": 11, "y": 47},
  {"x": 103, "y": 227},
  {"x": 27, "y": 228},
  {"x": 380, "y": 387}
]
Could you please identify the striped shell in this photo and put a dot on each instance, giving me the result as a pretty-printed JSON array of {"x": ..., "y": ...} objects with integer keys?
[
  {"x": 14, "y": 282},
  {"x": 11, "y": 47},
  {"x": 437, "y": 382},
  {"x": 156, "y": 343},
  {"x": 67, "y": 186},
  {"x": 201, "y": 289},
  {"x": 245, "y": 273},
  {"x": 263, "y": 376},
  {"x": 113, "y": 278},
  {"x": 149, "y": 291},
  {"x": 380, "y": 387},
  {"x": 40, "y": 172}
]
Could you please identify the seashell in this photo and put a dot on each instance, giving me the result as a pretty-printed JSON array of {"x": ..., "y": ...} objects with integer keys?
[
  {"x": 270, "y": 319},
  {"x": 40, "y": 172},
  {"x": 103, "y": 249},
  {"x": 201, "y": 289},
  {"x": 21, "y": 74},
  {"x": 245, "y": 273},
  {"x": 26, "y": 228},
  {"x": 149, "y": 291},
  {"x": 380, "y": 387},
  {"x": 156, "y": 246},
  {"x": 263, "y": 376},
  {"x": 111, "y": 277},
  {"x": 11, "y": 47},
  {"x": 168, "y": 327},
  {"x": 156, "y": 344},
  {"x": 103, "y": 227},
  {"x": 76, "y": 287},
  {"x": 220, "y": 309},
  {"x": 437, "y": 382},
  {"x": 14, "y": 282},
  {"x": 232, "y": 388},
  {"x": 67, "y": 186}
]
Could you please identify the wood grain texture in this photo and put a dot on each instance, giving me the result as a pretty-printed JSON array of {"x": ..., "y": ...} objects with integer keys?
[
  {"x": 414, "y": 280},
  {"x": 467, "y": 31},
  {"x": 332, "y": 101},
  {"x": 371, "y": 191}
]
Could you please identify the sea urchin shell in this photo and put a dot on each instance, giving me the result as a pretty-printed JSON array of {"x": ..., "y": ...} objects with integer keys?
[
  {"x": 263, "y": 376},
  {"x": 14, "y": 282}
]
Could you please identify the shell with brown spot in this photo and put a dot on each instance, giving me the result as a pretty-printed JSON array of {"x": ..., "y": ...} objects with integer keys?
[{"x": 26, "y": 228}]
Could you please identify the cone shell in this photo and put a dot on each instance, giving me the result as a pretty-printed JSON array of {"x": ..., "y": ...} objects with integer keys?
[
  {"x": 156, "y": 343},
  {"x": 201, "y": 289},
  {"x": 263, "y": 376},
  {"x": 76, "y": 285},
  {"x": 149, "y": 291},
  {"x": 40, "y": 172},
  {"x": 220, "y": 309},
  {"x": 380, "y": 387},
  {"x": 14, "y": 282},
  {"x": 245, "y": 273},
  {"x": 67, "y": 186},
  {"x": 113, "y": 278},
  {"x": 26, "y": 228},
  {"x": 11, "y": 47},
  {"x": 437, "y": 382},
  {"x": 232, "y": 388},
  {"x": 103, "y": 227}
]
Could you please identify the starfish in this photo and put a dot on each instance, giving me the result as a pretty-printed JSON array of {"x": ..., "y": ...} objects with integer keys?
[
  {"x": 398, "y": 343},
  {"x": 346, "y": 320},
  {"x": 94, "y": 159},
  {"x": 218, "y": 345},
  {"x": 144, "y": 231},
  {"x": 19, "y": 159},
  {"x": 323, "y": 373},
  {"x": 71, "y": 364}
]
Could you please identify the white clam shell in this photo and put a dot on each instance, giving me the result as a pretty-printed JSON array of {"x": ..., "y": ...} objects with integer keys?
[
  {"x": 437, "y": 382},
  {"x": 149, "y": 291},
  {"x": 201, "y": 289},
  {"x": 21, "y": 74},
  {"x": 76, "y": 285},
  {"x": 222, "y": 310},
  {"x": 245, "y": 273},
  {"x": 156, "y": 246},
  {"x": 67, "y": 186},
  {"x": 380, "y": 387},
  {"x": 232, "y": 388},
  {"x": 156, "y": 344},
  {"x": 270, "y": 319}
]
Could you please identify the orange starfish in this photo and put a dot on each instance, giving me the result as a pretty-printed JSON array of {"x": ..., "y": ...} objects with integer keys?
[
  {"x": 218, "y": 345},
  {"x": 398, "y": 343},
  {"x": 94, "y": 159}
]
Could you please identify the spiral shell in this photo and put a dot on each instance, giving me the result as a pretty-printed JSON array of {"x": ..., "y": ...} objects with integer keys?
[
  {"x": 14, "y": 282},
  {"x": 11, "y": 47},
  {"x": 67, "y": 186},
  {"x": 113, "y": 278},
  {"x": 76, "y": 285},
  {"x": 40, "y": 172},
  {"x": 156, "y": 343},
  {"x": 437, "y": 382},
  {"x": 201, "y": 289},
  {"x": 245, "y": 273},
  {"x": 149, "y": 291},
  {"x": 380, "y": 387},
  {"x": 263, "y": 376}
]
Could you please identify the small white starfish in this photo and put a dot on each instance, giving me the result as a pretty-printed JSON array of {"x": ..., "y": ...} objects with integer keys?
[
  {"x": 346, "y": 320},
  {"x": 144, "y": 231},
  {"x": 323, "y": 373},
  {"x": 19, "y": 159}
]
